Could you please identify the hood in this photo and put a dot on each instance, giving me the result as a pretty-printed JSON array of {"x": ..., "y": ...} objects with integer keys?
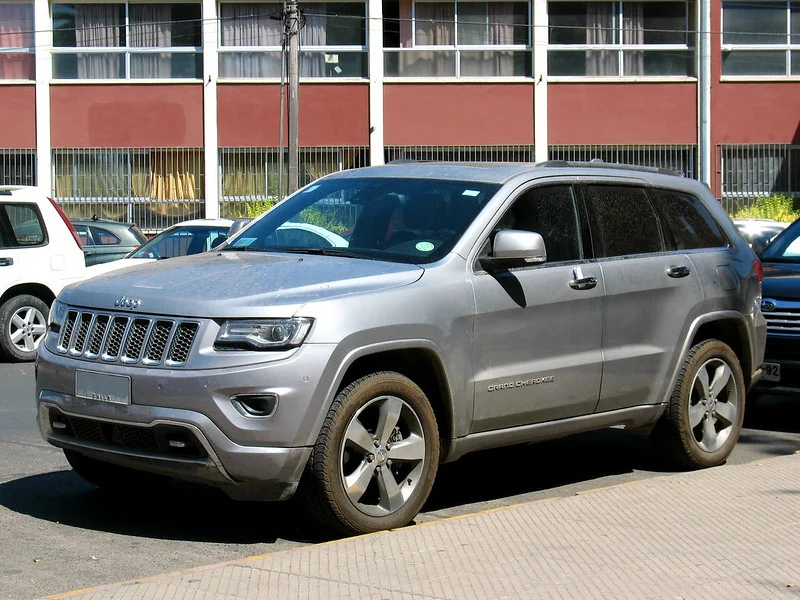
[
  {"x": 781, "y": 281},
  {"x": 236, "y": 284},
  {"x": 115, "y": 265}
]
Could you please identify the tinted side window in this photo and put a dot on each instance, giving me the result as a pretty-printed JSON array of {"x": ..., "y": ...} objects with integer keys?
[
  {"x": 624, "y": 221},
  {"x": 23, "y": 224},
  {"x": 103, "y": 237},
  {"x": 687, "y": 223},
  {"x": 551, "y": 212}
]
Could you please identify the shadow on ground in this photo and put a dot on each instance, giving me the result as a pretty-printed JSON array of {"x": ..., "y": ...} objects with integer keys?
[
  {"x": 190, "y": 512},
  {"x": 177, "y": 511}
]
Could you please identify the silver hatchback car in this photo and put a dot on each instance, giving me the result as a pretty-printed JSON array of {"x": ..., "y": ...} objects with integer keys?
[{"x": 472, "y": 306}]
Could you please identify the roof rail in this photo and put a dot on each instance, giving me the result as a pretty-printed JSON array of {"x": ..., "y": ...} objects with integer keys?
[{"x": 596, "y": 163}]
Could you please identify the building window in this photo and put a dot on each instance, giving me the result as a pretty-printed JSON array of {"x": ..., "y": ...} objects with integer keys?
[
  {"x": 463, "y": 39},
  {"x": 16, "y": 41},
  {"x": 761, "y": 38},
  {"x": 621, "y": 39},
  {"x": 333, "y": 40},
  {"x": 127, "y": 41}
]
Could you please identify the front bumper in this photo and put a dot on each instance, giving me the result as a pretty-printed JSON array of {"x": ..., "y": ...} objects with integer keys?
[{"x": 182, "y": 423}]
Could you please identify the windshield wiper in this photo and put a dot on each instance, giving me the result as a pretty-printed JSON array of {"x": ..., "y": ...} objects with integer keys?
[{"x": 322, "y": 251}]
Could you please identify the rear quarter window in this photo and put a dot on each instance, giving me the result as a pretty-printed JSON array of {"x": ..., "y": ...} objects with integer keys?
[
  {"x": 21, "y": 225},
  {"x": 687, "y": 223}
]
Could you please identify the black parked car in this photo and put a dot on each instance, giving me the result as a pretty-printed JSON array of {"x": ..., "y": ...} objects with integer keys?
[
  {"x": 105, "y": 240},
  {"x": 781, "y": 307}
]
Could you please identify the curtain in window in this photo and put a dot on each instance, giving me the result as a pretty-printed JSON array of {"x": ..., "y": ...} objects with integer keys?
[
  {"x": 16, "y": 31},
  {"x": 633, "y": 33},
  {"x": 599, "y": 19},
  {"x": 315, "y": 33},
  {"x": 250, "y": 25},
  {"x": 97, "y": 25},
  {"x": 434, "y": 24},
  {"x": 173, "y": 176},
  {"x": 150, "y": 27}
]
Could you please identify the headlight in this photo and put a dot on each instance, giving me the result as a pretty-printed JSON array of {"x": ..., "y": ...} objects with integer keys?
[
  {"x": 55, "y": 318},
  {"x": 264, "y": 334}
]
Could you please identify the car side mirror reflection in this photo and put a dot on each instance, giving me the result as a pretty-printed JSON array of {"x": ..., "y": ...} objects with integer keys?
[{"x": 513, "y": 247}]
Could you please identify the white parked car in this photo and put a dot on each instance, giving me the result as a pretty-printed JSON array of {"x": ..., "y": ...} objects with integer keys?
[
  {"x": 182, "y": 239},
  {"x": 40, "y": 253}
]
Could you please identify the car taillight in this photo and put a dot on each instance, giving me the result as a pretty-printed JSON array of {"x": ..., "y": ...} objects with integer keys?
[
  {"x": 67, "y": 222},
  {"x": 759, "y": 269}
]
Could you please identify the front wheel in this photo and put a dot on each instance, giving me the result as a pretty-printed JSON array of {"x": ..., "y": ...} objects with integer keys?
[
  {"x": 376, "y": 457},
  {"x": 23, "y": 325},
  {"x": 704, "y": 418}
]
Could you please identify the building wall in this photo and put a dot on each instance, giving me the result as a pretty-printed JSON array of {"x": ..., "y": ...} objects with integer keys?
[
  {"x": 452, "y": 114},
  {"x": 18, "y": 116},
  {"x": 622, "y": 113},
  {"x": 330, "y": 115},
  {"x": 126, "y": 116}
]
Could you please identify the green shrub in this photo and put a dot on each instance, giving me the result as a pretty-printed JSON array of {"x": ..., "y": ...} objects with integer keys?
[{"x": 779, "y": 207}]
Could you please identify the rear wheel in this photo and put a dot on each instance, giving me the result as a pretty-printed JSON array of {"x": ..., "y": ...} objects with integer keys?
[
  {"x": 23, "y": 325},
  {"x": 704, "y": 417},
  {"x": 376, "y": 457},
  {"x": 112, "y": 477}
]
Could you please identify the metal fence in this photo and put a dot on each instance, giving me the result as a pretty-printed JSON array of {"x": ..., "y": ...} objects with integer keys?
[
  {"x": 253, "y": 179},
  {"x": 17, "y": 167},
  {"x": 460, "y": 153},
  {"x": 746, "y": 172},
  {"x": 152, "y": 187},
  {"x": 679, "y": 158}
]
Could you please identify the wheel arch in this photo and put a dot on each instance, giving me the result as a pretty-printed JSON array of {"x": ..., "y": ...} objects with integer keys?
[
  {"x": 44, "y": 293},
  {"x": 733, "y": 332},
  {"x": 422, "y": 366}
]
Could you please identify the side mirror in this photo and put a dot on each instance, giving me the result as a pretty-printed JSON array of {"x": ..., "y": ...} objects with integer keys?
[{"x": 513, "y": 247}]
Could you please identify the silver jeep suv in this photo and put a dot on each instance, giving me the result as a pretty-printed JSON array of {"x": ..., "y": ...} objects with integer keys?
[{"x": 472, "y": 306}]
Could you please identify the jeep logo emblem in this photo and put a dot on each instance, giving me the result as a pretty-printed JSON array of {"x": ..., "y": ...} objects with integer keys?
[
  {"x": 767, "y": 305},
  {"x": 125, "y": 302}
]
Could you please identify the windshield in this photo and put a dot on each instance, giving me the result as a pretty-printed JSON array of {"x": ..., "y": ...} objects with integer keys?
[
  {"x": 182, "y": 241},
  {"x": 401, "y": 220},
  {"x": 785, "y": 247}
]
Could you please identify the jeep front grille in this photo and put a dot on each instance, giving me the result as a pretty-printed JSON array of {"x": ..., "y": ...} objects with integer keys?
[
  {"x": 784, "y": 319},
  {"x": 128, "y": 339}
]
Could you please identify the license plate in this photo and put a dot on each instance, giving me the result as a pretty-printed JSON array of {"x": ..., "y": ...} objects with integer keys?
[
  {"x": 103, "y": 387},
  {"x": 771, "y": 372}
]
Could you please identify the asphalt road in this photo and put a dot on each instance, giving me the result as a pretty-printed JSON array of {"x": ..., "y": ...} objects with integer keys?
[{"x": 58, "y": 533}]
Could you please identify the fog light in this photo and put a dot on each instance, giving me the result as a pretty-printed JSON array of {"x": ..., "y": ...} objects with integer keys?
[{"x": 255, "y": 405}]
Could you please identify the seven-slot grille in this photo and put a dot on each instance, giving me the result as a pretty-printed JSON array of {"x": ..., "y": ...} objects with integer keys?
[
  {"x": 127, "y": 339},
  {"x": 784, "y": 318}
]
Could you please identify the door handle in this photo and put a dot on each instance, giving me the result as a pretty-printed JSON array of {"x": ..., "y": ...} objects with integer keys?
[
  {"x": 6, "y": 262},
  {"x": 677, "y": 272},
  {"x": 579, "y": 282},
  {"x": 586, "y": 283}
]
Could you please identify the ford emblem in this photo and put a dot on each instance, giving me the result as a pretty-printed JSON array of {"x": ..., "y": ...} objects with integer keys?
[
  {"x": 125, "y": 302},
  {"x": 767, "y": 305}
]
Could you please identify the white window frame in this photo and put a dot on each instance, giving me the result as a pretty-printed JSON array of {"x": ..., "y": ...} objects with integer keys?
[
  {"x": 129, "y": 50},
  {"x": 323, "y": 49},
  {"x": 20, "y": 49},
  {"x": 620, "y": 48},
  {"x": 786, "y": 47},
  {"x": 457, "y": 48}
]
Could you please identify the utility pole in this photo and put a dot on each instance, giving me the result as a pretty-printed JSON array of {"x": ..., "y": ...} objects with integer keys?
[{"x": 292, "y": 28}]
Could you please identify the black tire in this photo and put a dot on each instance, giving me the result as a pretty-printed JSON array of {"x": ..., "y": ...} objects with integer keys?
[
  {"x": 704, "y": 418},
  {"x": 23, "y": 325},
  {"x": 113, "y": 478},
  {"x": 397, "y": 463}
]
